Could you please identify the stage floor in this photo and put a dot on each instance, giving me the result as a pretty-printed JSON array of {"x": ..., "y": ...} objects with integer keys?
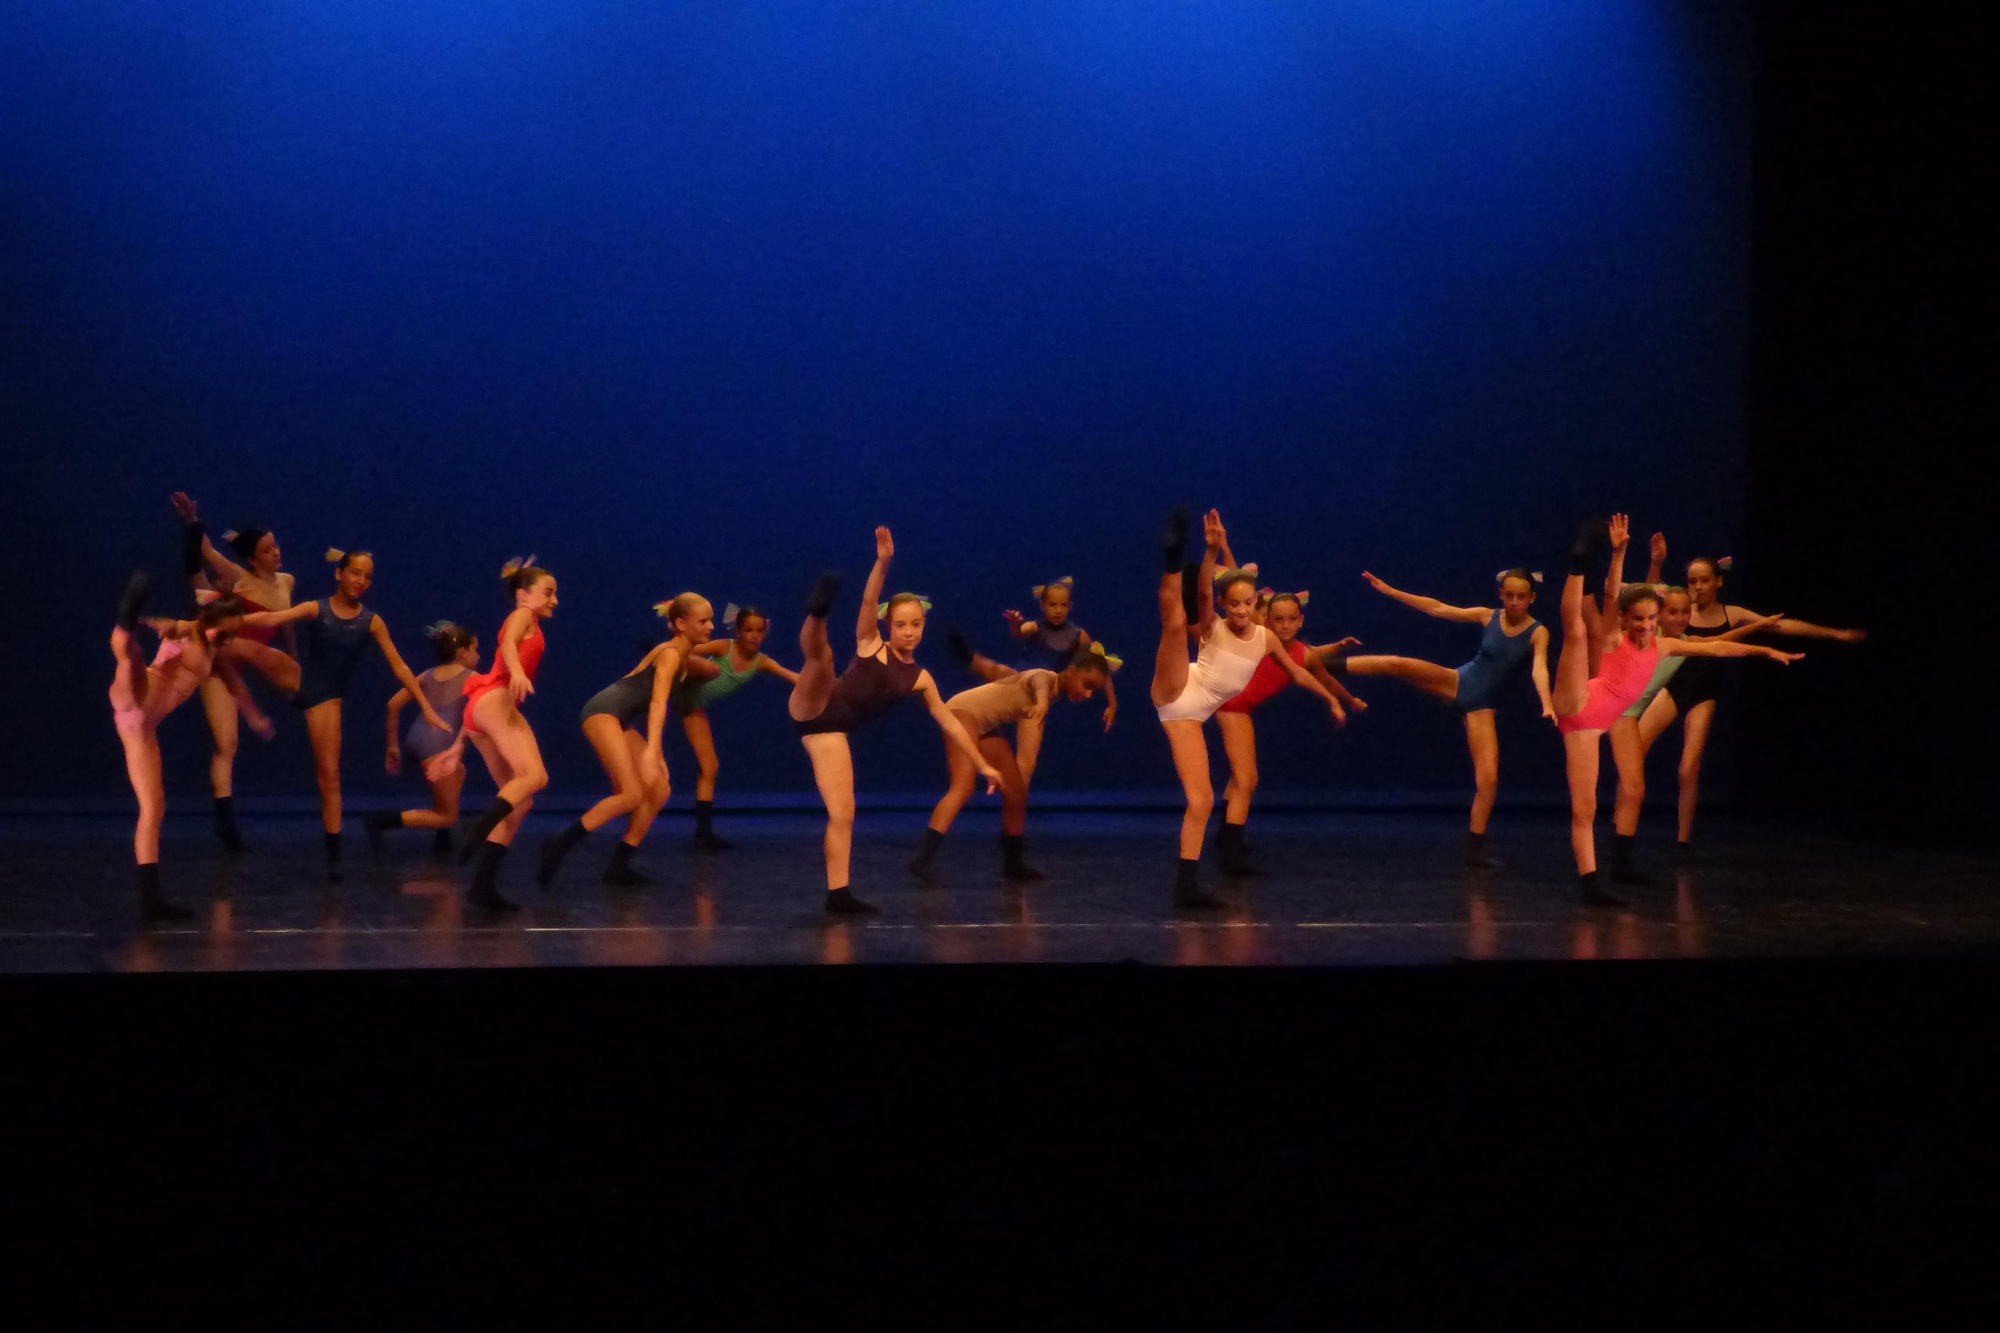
[{"x": 1340, "y": 889}]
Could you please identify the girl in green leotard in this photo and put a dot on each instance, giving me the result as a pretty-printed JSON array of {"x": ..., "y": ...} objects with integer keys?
[{"x": 737, "y": 662}]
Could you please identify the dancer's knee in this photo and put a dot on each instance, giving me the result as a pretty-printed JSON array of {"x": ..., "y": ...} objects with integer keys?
[{"x": 1201, "y": 800}]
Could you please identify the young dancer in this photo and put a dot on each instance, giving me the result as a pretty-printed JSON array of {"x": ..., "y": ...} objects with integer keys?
[
  {"x": 494, "y": 724},
  {"x": 1051, "y": 642},
  {"x": 1691, "y": 693},
  {"x": 457, "y": 653},
  {"x": 1187, "y": 694},
  {"x": 1513, "y": 642},
  {"x": 1600, "y": 672},
  {"x": 141, "y": 697},
  {"x": 261, "y": 584},
  {"x": 333, "y": 634},
  {"x": 1019, "y": 697},
  {"x": 826, "y": 707},
  {"x": 1283, "y": 614},
  {"x": 738, "y": 660},
  {"x": 624, "y": 723}
]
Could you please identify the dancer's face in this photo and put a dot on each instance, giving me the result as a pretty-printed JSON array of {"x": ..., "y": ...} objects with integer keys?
[
  {"x": 356, "y": 577},
  {"x": 1642, "y": 621},
  {"x": 1674, "y": 613},
  {"x": 1285, "y": 620},
  {"x": 698, "y": 625},
  {"x": 1055, "y": 606},
  {"x": 539, "y": 598},
  {"x": 906, "y": 627},
  {"x": 1703, "y": 584},
  {"x": 1079, "y": 683},
  {"x": 750, "y": 632},
  {"x": 1239, "y": 605},
  {"x": 468, "y": 656},
  {"x": 267, "y": 559},
  {"x": 1516, "y": 596}
]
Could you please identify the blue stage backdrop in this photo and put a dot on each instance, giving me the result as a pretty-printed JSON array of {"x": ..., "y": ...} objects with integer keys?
[{"x": 692, "y": 295}]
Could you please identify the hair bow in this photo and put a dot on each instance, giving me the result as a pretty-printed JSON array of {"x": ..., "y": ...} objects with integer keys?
[
  {"x": 231, "y": 535},
  {"x": 1111, "y": 661},
  {"x": 1066, "y": 581},
  {"x": 1727, "y": 562},
  {"x": 882, "y": 608},
  {"x": 515, "y": 566},
  {"x": 432, "y": 631},
  {"x": 334, "y": 555},
  {"x": 730, "y": 612},
  {"x": 1534, "y": 574}
]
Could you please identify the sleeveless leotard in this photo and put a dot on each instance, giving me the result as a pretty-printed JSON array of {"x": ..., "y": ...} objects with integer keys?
[
  {"x": 1501, "y": 659},
  {"x": 1620, "y": 680},
  {"x": 1220, "y": 672},
  {"x": 259, "y": 594},
  {"x": 478, "y": 687},
  {"x": 176, "y": 673},
  {"x": 1269, "y": 679},
  {"x": 1051, "y": 649},
  {"x": 421, "y": 740},
  {"x": 1696, "y": 682},
  {"x": 993, "y": 706},
  {"x": 691, "y": 696},
  {"x": 868, "y": 688},
  {"x": 629, "y": 699},
  {"x": 330, "y": 647},
  {"x": 1662, "y": 673}
]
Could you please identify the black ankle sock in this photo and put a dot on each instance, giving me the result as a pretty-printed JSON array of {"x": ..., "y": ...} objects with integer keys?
[
  {"x": 1173, "y": 540},
  {"x": 1590, "y": 538},
  {"x": 381, "y": 821},
  {"x": 618, "y": 871},
  {"x": 225, "y": 823},
  {"x": 842, "y": 902},
  {"x": 820, "y": 600},
  {"x": 484, "y": 891},
  {"x": 332, "y": 848},
  {"x": 132, "y": 601},
  {"x": 1014, "y": 857},
  {"x": 704, "y": 819},
  {"x": 1476, "y": 853},
  {"x": 1229, "y": 838},
  {"x": 1591, "y": 886},
  {"x": 489, "y": 819},
  {"x": 960, "y": 645},
  {"x": 1187, "y": 875},
  {"x": 1623, "y": 870},
  {"x": 933, "y": 840},
  {"x": 152, "y": 903}
]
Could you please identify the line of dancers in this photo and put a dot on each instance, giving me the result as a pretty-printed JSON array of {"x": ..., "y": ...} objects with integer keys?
[{"x": 1634, "y": 659}]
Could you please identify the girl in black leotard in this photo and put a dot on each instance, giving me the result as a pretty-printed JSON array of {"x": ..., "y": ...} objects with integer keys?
[{"x": 825, "y": 707}]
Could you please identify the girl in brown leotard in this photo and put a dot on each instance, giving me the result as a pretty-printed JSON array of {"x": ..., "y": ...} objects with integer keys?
[{"x": 825, "y": 706}]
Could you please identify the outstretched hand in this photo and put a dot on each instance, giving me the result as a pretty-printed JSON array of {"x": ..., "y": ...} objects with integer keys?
[
  {"x": 1110, "y": 715},
  {"x": 1852, "y": 635},
  {"x": 1657, "y": 552},
  {"x": 1212, "y": 533},
  {"x": 1374, "y": 582},
  {"x": 1786, "y": 659},
  {"x": 261, "y": 726},
  {"x": 185, "y": 507},
  {"x": 885, "y": 544},
  {"x": 1339, "y": 714},
  {"x": 1620, "y": 529},
  {"x": 1346, "y": 645}
]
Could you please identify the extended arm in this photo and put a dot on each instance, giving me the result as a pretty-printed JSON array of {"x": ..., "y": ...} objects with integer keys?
[
  {"x": 380, "y": 630},
  {"x": 665, "y": 667},
  {"x": 393, "y": 760},
  {"x": 1019, "y": 627},
  {"x": 784, "y": 673},
  {"x": 1803, "y": 629},
  {"x": 301, "y": 611},
  {"x": 956, "y": 733},
  {"x": 1539, "y": 670},
  {"x": 1317, "y": 666},
  {"x": 1720, "y": 648},
  {"x": 868, "y": 625},
  {"x": 1614, "y": 579},
  {"x": 1658, "y": 560},
  {"x": 1303, "y": 678},
  {"x": 1431, "y": 606}
]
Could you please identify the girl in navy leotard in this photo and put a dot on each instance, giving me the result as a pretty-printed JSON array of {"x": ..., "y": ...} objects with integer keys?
[
  {"x": 457, "y": 653},
  {"x": 334, "y": 635},
  {"x": 1514, "y": 643},
  {"x": 1051, "y": 641},
  {"x": 825, "y": 706}
]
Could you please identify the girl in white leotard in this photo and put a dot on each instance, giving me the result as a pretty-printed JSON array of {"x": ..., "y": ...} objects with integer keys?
[{"x": 1187, "y": 694}]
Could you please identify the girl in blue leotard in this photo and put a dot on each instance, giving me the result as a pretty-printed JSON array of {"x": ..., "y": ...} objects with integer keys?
[
  {"x": 1051, "y": 641},
  {"x": 738, "y": 661},
  {"x": 1514, "y": 641}
]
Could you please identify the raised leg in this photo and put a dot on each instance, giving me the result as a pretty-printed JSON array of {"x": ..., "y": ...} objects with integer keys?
[
  {"x": 816, "y": 678},
  {"x": 1426, "y": 676},
  {"x": 1170, "y": 666},
  {"x": 278, "y": 668},
  {"x": 1572, "y": 684}
]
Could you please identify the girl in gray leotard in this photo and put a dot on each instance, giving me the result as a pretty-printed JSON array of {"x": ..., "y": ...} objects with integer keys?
[{"x": 443, "y": 688}]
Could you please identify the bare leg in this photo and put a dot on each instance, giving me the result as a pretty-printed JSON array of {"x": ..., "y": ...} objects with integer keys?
[
  {"x": 1191, "y": 763},
  {"x": 1581, "y": 749},
  {"x": 1653, "y": 723},
  {"x": 220, "y": 705},
  {"x": 513, "y": 741},
  {"x": 444, "y": 804},
  {"x": 131, "y": 679},
  {"x": 323, "y": 726},
  {"x": 607, "y": 736},
  {"x": 1426, "y": 676},
  {"x": 142, "y": 765},
  {"x": 278, "y": 668},
  {"x": 1170, "y": 666},
  {"x": 652, "y": 800},
  {"x": 1239, "y": 743},
  {"x": 1694, "y": 741},
  {"x": 1013, "y": 787},
  {"x": 833, "y": 771},
  {"x": 1572, "y": 683},
  {"x": 702, "y": 738},
  {"x": 1628, "y": 751},
  {"x": 817, "y": 676},
  {"x": 1482, "y": 737},
  {"x": 964, "y": 780}
]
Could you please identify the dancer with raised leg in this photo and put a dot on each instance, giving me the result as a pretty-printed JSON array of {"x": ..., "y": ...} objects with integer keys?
[
  {"x": 1187, "y": 694},
  {"x": 825, "y": 707},
  {"x": 494, "y": 724},
  {"x": 333, "y": 636},
  {"x": 625, "y": 723},
  {"x": 1600, "y": 672},
  {"x": 457, "y": 653},
  {"x": 1020, "y": 698},
  {"x": 1514, "y": 643},
  {"x": 738, "y": 661},
  {"x": 142, "y": 695}
]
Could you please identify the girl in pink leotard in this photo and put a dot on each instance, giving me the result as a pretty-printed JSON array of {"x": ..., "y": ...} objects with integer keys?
[
  {"x": 1602, "y": 671},
  {"x": 142, "y": 695}
]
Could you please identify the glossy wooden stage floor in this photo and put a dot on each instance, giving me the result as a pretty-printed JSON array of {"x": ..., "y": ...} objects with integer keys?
[{"x": 1338, "y": 889}]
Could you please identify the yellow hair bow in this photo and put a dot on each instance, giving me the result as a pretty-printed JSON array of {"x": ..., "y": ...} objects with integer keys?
[
  {"x": 1066, "y": 581},
  {"x": 515, "y": 566},
  {"x": 1111, "y": 662},
  {"x": 882, "y": 608}
]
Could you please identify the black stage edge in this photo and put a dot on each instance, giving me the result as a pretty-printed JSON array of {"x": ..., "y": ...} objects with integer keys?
[{"x": 1244, "y": 1148}]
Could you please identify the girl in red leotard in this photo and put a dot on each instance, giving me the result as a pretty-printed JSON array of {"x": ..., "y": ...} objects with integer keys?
[
  {"x": 1602, "y": 672},
  {"x": 505, "y": 740},
  {"x": 1283, "y": 613}
]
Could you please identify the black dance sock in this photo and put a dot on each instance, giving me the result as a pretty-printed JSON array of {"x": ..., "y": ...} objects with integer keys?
[
  {"x": 131, "y": 602},
  {"x": 441, "y": 844},
  {"x": 704, "y": 828},
  {"x": 1187, "y": 889},
  {"x": 1173, "y": 540},
  {"x": 153, "y": 906},
  {"x": 379, "y": 822},
  {"x": 1014, "y": 858},
  {"x": 555, "y": 849},
  {"x": 484, "y": 891},
  {"x": 335, "y": 871},
  {"x": 1476, "y": 854},
  {"x": 1593, "y": 536},
  {"x": 225, "y": 823},
  {"x": 842, "y": 902},
  {"x": 489, "y": 819},
  {"x": 1235, "y": 861},
  {"x": 1594, "y": 892},
  {"x": 1684, "y": 853},
  {"x": 618, "y": 871},
  {"x": 820, "y": 600},
  {"x": 1623, "y": 871},
  {"x": 961, "y": 646},
  {"x": 922, "y": 864},
  {"x": 1336, "y": 665}
]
